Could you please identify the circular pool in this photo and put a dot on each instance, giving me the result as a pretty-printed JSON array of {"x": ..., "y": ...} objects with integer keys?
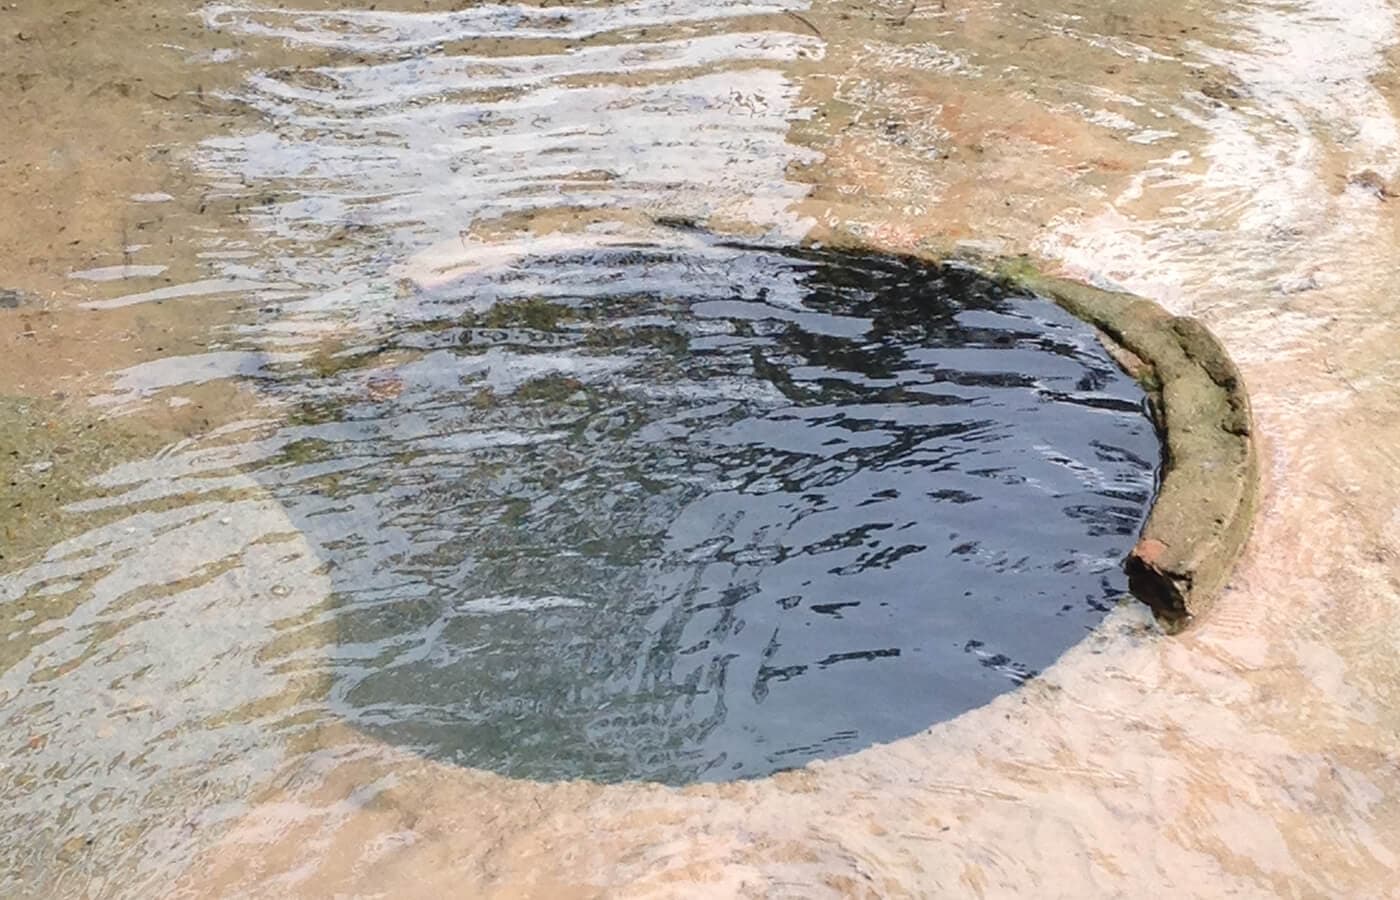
[{"x": 704, "y": 512}]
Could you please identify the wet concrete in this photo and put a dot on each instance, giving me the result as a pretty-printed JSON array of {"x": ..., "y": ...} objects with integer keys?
[{"x": 1210, "y": 158}]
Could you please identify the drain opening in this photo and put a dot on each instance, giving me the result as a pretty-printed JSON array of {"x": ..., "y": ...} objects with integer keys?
[{"x": 712, "y": 512}]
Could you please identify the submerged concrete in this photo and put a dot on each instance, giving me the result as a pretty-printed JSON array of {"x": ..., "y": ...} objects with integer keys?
[{"x": 1201, "y": 519}]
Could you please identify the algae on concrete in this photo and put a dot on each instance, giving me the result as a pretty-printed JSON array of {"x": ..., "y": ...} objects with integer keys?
[{"x": 1201, "y": 518}]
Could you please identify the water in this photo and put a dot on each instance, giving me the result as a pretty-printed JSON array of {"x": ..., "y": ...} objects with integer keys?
[
  {"x": 705, "y": 512},
  {"x": 248, "y": 201}
]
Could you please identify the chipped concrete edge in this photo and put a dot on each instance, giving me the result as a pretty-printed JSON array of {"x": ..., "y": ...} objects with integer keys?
[{"x": 1204, "y": 509}]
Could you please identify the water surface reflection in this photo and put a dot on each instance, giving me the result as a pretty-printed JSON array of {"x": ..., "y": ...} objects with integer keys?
[{"x": 707, "y": 511}]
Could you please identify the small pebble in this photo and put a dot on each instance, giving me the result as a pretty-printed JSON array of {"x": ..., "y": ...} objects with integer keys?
[
  {"x": 1217, "y": 90},
  {"x": 1371, "y": 180}
]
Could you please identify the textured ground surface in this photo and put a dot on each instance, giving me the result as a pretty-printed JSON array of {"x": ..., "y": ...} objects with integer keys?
[{"x": 1232, "y": 161}]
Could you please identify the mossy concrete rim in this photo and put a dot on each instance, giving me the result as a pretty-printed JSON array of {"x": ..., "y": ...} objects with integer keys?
[
  {"x": 1201, "y": 519},
  {"x": 1209, "y": 483}
]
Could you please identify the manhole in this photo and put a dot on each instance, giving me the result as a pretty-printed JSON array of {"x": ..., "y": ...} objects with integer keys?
[{"x": 711, "y": 512}]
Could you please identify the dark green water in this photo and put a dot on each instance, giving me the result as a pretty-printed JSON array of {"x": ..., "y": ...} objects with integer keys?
[{"x": 712, "y": 512}]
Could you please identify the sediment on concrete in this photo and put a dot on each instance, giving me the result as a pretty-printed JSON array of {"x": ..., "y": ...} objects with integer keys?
[{"x": 1205, "y": 503}]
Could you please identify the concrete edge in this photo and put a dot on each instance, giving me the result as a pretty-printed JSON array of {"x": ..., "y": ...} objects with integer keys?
[{"x": 1204, "y": 510}]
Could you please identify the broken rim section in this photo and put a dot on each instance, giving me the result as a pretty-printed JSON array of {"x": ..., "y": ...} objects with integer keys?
[{"x": 1205, "y": 504}]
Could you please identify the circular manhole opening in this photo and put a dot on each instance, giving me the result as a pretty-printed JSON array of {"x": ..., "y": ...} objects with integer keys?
[{"x": 711, "y": 512}]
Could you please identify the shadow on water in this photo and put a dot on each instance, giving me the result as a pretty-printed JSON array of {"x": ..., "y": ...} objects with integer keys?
[{"x": 706, "y": 512}]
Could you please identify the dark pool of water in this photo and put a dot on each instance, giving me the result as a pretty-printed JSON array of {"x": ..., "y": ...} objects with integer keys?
[{"x": 708, "y": 512}]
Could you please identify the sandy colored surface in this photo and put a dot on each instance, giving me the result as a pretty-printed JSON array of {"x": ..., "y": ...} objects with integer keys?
[{"x": 1202, "y": 157}]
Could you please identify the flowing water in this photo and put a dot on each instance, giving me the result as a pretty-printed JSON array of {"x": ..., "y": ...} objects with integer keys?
[{"x": 235, "y": 380}]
